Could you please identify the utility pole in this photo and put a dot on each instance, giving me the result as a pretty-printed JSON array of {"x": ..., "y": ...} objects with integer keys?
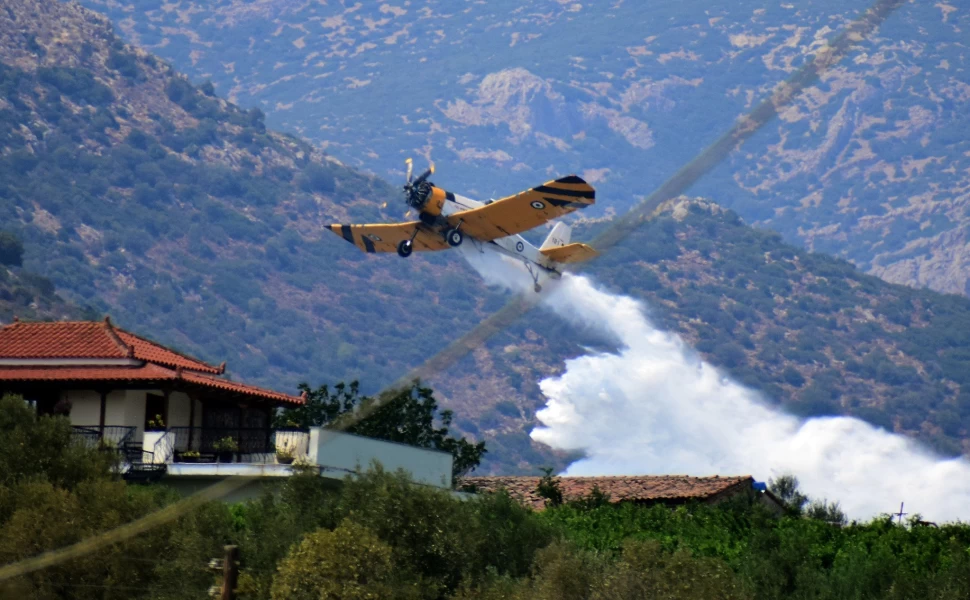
[
  {"x": 230, "y": 572},
  {"x": 229, "y": 565},
  {"x": 900, "y": 514}
]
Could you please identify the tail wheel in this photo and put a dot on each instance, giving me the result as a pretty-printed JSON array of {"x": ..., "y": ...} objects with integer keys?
[
  {"x": 405, "y": 248},
  {"x": 454, "y": 237}
]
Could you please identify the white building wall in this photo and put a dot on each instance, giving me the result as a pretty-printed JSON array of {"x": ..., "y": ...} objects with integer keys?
[
  {"x": 122, "y": 407},
  {"x": 116, "y": 408},
  {"x": 349, "y": 452},
  {"x": 85, "y": 406},
  {"x": 135, "y": 410},
  {"x": 179, "y": 410}
]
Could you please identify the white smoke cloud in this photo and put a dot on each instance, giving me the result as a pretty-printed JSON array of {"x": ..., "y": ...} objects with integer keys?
[{"x": 654, "y": 407}]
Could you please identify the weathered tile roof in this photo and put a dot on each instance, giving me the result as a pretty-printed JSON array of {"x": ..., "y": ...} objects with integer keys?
[
  {"x": 634, "y": 488},
  {"x": 89, "y": 339},
  {"x": 80, "y": 340},
  {"x": 147, "y": 373}
]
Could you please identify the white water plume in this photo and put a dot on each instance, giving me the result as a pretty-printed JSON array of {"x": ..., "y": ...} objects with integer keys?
[{"x": 654, "y": 407}]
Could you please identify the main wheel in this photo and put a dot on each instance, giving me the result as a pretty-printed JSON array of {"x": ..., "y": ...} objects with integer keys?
[
  {"x": 405, "y": 248},
  {"x": 537, "y": 288},
  {"x": 454, "y": 237}
]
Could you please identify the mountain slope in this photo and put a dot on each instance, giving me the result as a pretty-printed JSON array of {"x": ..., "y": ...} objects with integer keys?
[
  {"x": 185, "y": 218},
  {"x": 811, "y": 332},
  {"x": 871, "y": 164}
]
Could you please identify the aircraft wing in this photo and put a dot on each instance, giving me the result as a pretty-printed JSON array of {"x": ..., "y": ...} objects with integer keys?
[
  {"x": 386, "y": 237},
  {"x": 525, "y": 210}
]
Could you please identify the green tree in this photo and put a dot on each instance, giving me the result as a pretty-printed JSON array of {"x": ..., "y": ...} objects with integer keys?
[
  {"x": 408, "y": 416},
  {"x": 646, "y": 571},
  {"x": 348, "y": 563},
  {"x": 785, "y": 488},
  {"x": 55, "y": 492},
  {"x": 549, "y": 488}
]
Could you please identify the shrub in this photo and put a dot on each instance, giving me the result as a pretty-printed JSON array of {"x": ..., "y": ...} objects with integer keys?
[
  {"x": 11, "y": 250},
  {"x": 348, "y": 563}
]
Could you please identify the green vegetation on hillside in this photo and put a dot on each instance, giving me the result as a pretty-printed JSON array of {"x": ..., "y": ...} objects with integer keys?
[
  {"x": 204, "y": 229},
  {"x": 869, "y": 164},
  {"x": 27, "y": 295},
  {"x": 187, "y": 220}
]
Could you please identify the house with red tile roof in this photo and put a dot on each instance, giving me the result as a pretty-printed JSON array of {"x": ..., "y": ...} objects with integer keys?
[
  {"x": 640, "y": 489},
  {"x": 170, "y": 414}
]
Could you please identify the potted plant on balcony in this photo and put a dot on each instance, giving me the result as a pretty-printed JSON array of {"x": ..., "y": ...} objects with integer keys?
[
  {"x": 189, "y": 456},
  {"x": 156, "y": 423},
  {"x": 285, "y": 453},
  {"x": 225, "y": 448}
]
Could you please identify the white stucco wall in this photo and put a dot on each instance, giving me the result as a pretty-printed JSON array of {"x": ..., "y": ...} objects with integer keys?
[
  {"x": 179, "y": 409},
  {"x": 340, "y": 450},
  {"x": 123, "y": 407},
  {"x": 85, "y": 406},
  {"x": 135, "y": 410}
]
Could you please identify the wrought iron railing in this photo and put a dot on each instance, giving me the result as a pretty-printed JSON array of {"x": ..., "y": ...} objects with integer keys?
[
  {"x": 232, "y": 444},
  {"x": 109, "y": 436}
]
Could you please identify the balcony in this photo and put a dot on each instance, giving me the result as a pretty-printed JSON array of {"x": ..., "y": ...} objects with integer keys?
[
  {"x": 261, "y": 446},
  {"x": 134, "y": 463},
  {"x": 192, "y": 457}
]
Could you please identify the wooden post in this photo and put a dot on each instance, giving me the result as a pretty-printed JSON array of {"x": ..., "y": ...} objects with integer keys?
[
  {"x": 191, "y": 417},
  {"x": 104, "y": 406},
  {"x": 230, "y": 572}
]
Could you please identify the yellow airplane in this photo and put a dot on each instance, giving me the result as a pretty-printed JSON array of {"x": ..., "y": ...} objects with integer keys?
[{"x": 446, "y": 219}]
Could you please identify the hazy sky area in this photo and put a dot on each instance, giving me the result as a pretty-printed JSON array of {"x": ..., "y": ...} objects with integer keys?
[{"x": 656, "y": 408}]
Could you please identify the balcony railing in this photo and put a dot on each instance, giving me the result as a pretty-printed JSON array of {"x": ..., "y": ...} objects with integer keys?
[
  {"x": 243, "y": 445},
  {"x": 133, "y": 461},
  {"x": 109, "y": 436}
]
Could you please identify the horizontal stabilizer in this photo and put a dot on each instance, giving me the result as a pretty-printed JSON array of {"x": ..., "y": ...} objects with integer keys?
[{"x": 570, "y": 253}]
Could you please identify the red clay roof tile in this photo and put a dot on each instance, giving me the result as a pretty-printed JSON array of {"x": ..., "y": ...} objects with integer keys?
[
  {"x": 636, "y": 488},
  {"x": 147, "y": 373},
  {"x": 63, "y": 339},
  {"x": 151, "y": 352},
  {"x": 89, "y": 339}
]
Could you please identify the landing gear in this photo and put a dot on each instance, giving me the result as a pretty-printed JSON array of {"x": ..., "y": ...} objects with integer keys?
[
  {"x": 537, "y": 288},
  {"x": 405, "y": 248},
  {"x": 454, "y": 237}
]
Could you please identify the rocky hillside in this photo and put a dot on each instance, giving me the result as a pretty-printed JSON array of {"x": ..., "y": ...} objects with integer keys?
[
  {"x": 872, "y": 164},
  {"x": 26, "y": 295},
  {"x": 185, "y": 218}
]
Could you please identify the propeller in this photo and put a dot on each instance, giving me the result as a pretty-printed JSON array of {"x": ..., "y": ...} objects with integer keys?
[{"x": 417, "y": 191}]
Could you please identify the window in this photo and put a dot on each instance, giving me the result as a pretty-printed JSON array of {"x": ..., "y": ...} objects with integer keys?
[{"x": 155, "y": 407}]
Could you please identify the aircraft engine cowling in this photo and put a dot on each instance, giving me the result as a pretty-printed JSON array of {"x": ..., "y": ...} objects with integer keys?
[
  {"x": 427, "y": 198},
  {"x": 419, "y": 195}
]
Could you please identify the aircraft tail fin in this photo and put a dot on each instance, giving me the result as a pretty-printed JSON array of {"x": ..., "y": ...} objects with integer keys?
[
  {"x": 570, "y": 253},
  {"x": 559, "y": 236}
]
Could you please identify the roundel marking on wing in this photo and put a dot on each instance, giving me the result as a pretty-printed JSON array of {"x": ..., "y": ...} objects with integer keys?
[
  {"x": 519, "y": 246},
  {"x": 538, "y": 205}
]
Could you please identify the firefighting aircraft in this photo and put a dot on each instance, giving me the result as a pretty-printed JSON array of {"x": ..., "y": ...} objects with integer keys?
[{"x": 446, "y": 219}]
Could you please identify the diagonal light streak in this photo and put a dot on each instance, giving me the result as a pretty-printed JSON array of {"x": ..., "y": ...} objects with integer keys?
[{"x": 782, "y": 95}]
